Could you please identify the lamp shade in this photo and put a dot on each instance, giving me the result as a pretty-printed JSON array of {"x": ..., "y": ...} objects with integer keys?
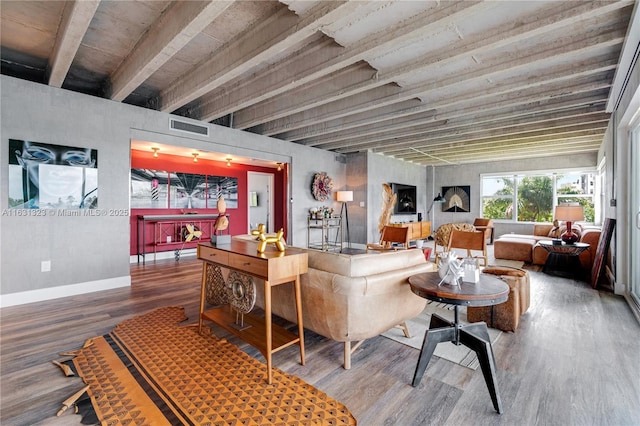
[
  {"x": 569, "y": 213},
  {"x": 344, "y": 196}
]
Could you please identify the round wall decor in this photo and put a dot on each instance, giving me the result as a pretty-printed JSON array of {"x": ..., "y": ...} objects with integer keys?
[
  {"x": 321, "y": 186},
  {"x": 241, "y": 291}
]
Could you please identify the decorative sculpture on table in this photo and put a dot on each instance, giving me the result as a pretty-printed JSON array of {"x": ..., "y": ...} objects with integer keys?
[
  {"x": 450, "y": 269},
  {"x": 271, "y": 239},
  {"x": 241, "y": 292},
  {"x": 221, "y": 224},
  {"x": 388, "y": 202},
  {"x": 189, "y": 232},
  {"x": 261, "y": 229}
]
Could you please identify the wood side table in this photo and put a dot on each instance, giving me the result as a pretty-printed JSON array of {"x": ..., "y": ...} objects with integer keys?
[
  {"x": 563, "y": 258},
  {"x": 488, "y": 291},
  {"x": 275, "y": 268}
]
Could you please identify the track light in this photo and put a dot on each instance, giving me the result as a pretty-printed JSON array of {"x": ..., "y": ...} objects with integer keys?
[
  {"x": 155, "y": 152},
  {"x": 229, "y": 161},
  {"x": 195, "y": 157}
]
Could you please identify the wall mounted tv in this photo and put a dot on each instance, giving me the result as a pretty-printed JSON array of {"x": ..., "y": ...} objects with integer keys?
[{"x": 406, "y": 198}]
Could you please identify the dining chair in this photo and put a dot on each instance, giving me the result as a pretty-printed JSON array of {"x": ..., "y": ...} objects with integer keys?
[
  {"x": 473, "y": 240},
  {"x": 486, "y": 225},
  {"x": 392, "y": 238}
]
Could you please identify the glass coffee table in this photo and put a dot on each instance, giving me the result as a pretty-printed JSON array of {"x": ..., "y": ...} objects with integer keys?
[{"x": 488, "y": 291}]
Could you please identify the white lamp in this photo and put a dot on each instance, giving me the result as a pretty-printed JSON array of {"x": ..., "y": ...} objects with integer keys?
[{"x": 344, "y": 197}]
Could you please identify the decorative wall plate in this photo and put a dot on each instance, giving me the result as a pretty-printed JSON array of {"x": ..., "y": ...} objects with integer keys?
[
  {"x": 241, "y": 291},
  {"x": 321, "y": 186}
]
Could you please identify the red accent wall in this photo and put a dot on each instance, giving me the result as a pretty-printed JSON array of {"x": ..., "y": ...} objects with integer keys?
[{"x": 237, "y": 216}]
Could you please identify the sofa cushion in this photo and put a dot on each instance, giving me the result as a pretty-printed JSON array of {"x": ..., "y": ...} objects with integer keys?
[
  {"x": 514, "y": 248},
  {"x": 360, "y": 265}
]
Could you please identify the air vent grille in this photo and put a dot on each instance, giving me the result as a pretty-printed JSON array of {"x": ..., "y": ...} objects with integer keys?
[{"x": 188, "y": 127}]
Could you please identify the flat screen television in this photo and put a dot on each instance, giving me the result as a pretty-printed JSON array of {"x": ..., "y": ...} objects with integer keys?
[{"x": 406, "y": 198}]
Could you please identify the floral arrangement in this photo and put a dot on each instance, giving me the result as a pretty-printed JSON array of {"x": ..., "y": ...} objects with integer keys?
[
  {"x": 320, "y": 212},
  {"x": 321, "y": 186}
]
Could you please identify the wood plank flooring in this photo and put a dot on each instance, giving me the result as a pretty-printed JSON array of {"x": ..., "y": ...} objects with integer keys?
[{"x": 574, "y": 360}]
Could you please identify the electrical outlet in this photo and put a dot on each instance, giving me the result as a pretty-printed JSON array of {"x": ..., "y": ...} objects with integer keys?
[
  {"x": 45, "y": 266},
  {"x": 361, "y": 203},
  {"x": 612, "y": 202}
]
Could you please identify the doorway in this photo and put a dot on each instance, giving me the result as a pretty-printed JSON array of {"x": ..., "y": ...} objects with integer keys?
[{"x": 261, "y": 200}]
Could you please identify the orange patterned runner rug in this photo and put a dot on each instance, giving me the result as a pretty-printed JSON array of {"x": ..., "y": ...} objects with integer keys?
[{"x": 150, "y": 370}]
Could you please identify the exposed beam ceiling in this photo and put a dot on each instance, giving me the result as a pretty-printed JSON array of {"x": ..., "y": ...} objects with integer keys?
[{"x": 431, "y": 82}]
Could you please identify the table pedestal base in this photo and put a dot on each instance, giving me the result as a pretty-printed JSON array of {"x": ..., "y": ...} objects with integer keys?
[
  {"x": 474, "y": 336},
  {"x": 562, "y": 265}
]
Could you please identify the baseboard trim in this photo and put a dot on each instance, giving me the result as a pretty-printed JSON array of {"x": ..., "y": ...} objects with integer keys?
[{"x": 43, "y": 294}]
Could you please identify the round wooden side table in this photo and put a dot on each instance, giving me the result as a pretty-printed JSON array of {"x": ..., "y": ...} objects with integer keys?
[{"x": 488, "y": 291}]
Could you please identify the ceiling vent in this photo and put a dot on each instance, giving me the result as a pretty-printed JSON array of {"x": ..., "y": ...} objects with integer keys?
[{"x": 183, "y": 126}]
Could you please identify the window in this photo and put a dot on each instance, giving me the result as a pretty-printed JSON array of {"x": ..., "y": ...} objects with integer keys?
[{"x": 532, "y": 197}]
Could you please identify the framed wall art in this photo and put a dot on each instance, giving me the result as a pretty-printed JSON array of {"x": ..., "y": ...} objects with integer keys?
[
  {"x": 49, "y": 176},
  {"x": 457, "y": 199}
]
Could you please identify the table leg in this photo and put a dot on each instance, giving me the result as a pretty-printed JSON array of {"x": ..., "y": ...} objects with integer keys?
[
  {"x": 299, "y": 316},
  {"x": 267, "y": 324},
  {"x": 476, "y": 337},
  {"x": 203, "y": 285},
  {"x": 440, "y": 330},
  {"x": 562, "y": 265}
]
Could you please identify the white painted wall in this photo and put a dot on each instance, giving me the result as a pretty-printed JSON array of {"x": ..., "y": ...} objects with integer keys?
[
  {"x": 381, "y": 170},
  {"x": 89, "y": 253}
]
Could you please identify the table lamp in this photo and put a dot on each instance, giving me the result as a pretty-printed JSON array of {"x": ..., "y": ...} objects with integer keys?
[{"x": 569, "y": 213}]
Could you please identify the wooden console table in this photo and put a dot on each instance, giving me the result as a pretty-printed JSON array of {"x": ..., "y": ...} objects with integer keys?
[
  {"x": 167, "y": 230},
  {"x": 417, "y": 230},
  {"x": 275, "y": 268}
]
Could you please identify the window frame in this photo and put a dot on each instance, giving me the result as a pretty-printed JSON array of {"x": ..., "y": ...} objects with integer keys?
[{"x": 517, "y": 177}]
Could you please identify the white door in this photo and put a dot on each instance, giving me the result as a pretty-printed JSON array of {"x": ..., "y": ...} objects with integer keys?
[
  {"x": 634, "y": 224},
  {"x": 260, "y": 204}
]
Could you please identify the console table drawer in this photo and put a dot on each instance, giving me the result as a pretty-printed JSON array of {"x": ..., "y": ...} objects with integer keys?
[
  {"x": 210, "y": 254},
  {"x": 249, "y": 265}
]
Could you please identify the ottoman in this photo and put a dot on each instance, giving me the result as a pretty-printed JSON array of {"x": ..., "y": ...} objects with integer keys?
[
  {"x": 505, "y": 316},
  {"x": 513, "y": 248}
]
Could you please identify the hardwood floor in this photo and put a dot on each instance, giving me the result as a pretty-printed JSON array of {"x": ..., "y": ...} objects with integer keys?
[{"x": 574, "y": 360}]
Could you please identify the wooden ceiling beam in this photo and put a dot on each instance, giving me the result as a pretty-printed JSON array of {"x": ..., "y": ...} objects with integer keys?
[
  {"x": 260, "y": 117},
  {"x": 341, "y": 130},
  {"x": 444, "y": 99},
  {"x": 506, "y": 153},
  {"x": 280, "y": 32},
  {"x": 171, "y": 32},
  {"x": 470, "y": 128},
  {"x": 76, "y": 17},
  {"x": 559, "y": 136},
  {"x": 304, "y": 68}
]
